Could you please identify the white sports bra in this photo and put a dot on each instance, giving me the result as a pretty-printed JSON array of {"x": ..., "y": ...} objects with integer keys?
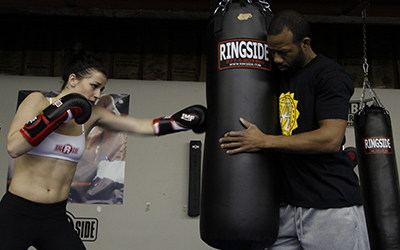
[{"x": 65, "y": 147}]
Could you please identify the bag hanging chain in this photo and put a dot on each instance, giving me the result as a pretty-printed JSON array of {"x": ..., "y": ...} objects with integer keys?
[
  {"x": 265, "y": 5},
  {"x": 365, "y": 66},
  {"x": 222, "y": 5}
]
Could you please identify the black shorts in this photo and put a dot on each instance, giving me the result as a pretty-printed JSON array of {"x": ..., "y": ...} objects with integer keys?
[{"x": 24, "y": 223}]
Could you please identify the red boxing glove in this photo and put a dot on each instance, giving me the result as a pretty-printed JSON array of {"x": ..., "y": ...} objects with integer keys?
[
  {"x": 192, "y": 117},
  {"x": 66, "y": 108}
]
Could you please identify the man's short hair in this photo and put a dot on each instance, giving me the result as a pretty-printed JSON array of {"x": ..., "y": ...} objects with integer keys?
[{"x": 292, "y": 20}]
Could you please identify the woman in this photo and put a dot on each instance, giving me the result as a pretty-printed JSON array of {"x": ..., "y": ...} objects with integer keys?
[{"x": 32, "y": 212}]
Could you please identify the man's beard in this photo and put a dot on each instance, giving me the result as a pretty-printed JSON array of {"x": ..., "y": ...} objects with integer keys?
[{"x": 297, "y": 63}]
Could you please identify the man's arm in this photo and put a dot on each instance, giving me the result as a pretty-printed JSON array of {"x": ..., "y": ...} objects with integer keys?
[{"x": 326, "y": 139}]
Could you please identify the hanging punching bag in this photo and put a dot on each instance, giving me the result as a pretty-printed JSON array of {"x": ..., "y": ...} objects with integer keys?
[
  {"x": 239, "y": 203},
  {"x": 378, "y": 177}
]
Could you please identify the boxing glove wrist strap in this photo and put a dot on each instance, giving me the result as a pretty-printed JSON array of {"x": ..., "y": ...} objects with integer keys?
[{"x": 167, "y": 125}]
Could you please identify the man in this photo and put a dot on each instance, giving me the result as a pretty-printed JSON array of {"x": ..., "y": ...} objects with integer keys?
[{"x": 321, "y": 201}]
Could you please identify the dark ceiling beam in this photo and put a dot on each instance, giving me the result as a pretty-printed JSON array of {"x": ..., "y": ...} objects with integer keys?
[
  {"x": 97, "y": 12},
  {"x": 377, "y": 13},
  {"x": 351, "y": 8},
  {"x": 70, "y": 3},
  {"x": 353, "y": 20}
]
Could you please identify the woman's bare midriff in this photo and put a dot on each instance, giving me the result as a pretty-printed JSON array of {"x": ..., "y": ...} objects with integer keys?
[{"x": 42, "y": 179}]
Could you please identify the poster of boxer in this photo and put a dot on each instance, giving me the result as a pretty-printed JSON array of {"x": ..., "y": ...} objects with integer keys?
[{"x": 99, "y": 176}]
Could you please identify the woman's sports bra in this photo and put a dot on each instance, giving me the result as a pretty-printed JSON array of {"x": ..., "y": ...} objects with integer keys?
[{"x": 65, "y": 147}]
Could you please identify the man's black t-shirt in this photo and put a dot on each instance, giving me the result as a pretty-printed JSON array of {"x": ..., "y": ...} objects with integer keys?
[{"x": 320, "y": 90}]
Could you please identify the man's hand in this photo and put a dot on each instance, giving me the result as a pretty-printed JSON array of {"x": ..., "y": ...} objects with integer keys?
[
  {"x": 249, "y": 140},
  {"x": 326, "y": 139}
]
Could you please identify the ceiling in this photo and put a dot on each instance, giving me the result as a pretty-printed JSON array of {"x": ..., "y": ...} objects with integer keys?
[{"x": 334, "y": 11}]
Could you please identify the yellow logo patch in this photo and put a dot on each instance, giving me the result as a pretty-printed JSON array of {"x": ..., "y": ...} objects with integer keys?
[{"x": 288, "y": 113}]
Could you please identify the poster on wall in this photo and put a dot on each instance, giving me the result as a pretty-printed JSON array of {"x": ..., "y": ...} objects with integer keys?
[
  {"x": 100, "y": 174},
  {"x": 354, "y": 107}
]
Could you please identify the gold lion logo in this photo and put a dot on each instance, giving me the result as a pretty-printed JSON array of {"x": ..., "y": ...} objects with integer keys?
[{"x": 288, "y": 113}]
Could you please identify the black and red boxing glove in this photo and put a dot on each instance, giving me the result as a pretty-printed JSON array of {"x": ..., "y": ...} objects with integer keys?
[
  {"x": 193, "y": 117},
  {"x": 63, "y": 110}
]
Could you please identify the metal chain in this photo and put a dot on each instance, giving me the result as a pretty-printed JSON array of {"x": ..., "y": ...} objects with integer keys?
[
  {"x": 222, "y": 5},
  {"x": 365, "y": 65},
  {"x": 265, "y": 5}
]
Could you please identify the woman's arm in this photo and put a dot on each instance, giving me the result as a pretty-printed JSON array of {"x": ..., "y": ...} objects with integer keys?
[
  {"x": 192, "y": 117},
  {"x": 108, "y": 120},
  {"x": 33, "y": 105}
]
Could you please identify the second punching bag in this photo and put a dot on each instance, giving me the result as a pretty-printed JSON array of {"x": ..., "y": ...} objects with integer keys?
[
  {"x": 239, "y": 203},
  {"x": 378, "y": 176}
]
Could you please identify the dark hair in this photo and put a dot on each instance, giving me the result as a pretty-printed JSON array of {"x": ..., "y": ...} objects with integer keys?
[
  {"x": 77, "y": 60},
  {"x": 292, "y": 20}
]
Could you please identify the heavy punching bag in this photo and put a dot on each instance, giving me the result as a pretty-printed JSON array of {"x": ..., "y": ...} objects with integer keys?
[
  {"x": 378, "y": 176},
  {"x": 239, "y": 203}
]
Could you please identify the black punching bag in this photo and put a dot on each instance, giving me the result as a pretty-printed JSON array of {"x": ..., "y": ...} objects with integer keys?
[
  {"x": 239, "y": 203},
  {"x": 378, "y": 176}
]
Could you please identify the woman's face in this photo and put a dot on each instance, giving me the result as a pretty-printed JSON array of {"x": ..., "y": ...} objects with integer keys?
[{"x": 92, "y": 86}]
